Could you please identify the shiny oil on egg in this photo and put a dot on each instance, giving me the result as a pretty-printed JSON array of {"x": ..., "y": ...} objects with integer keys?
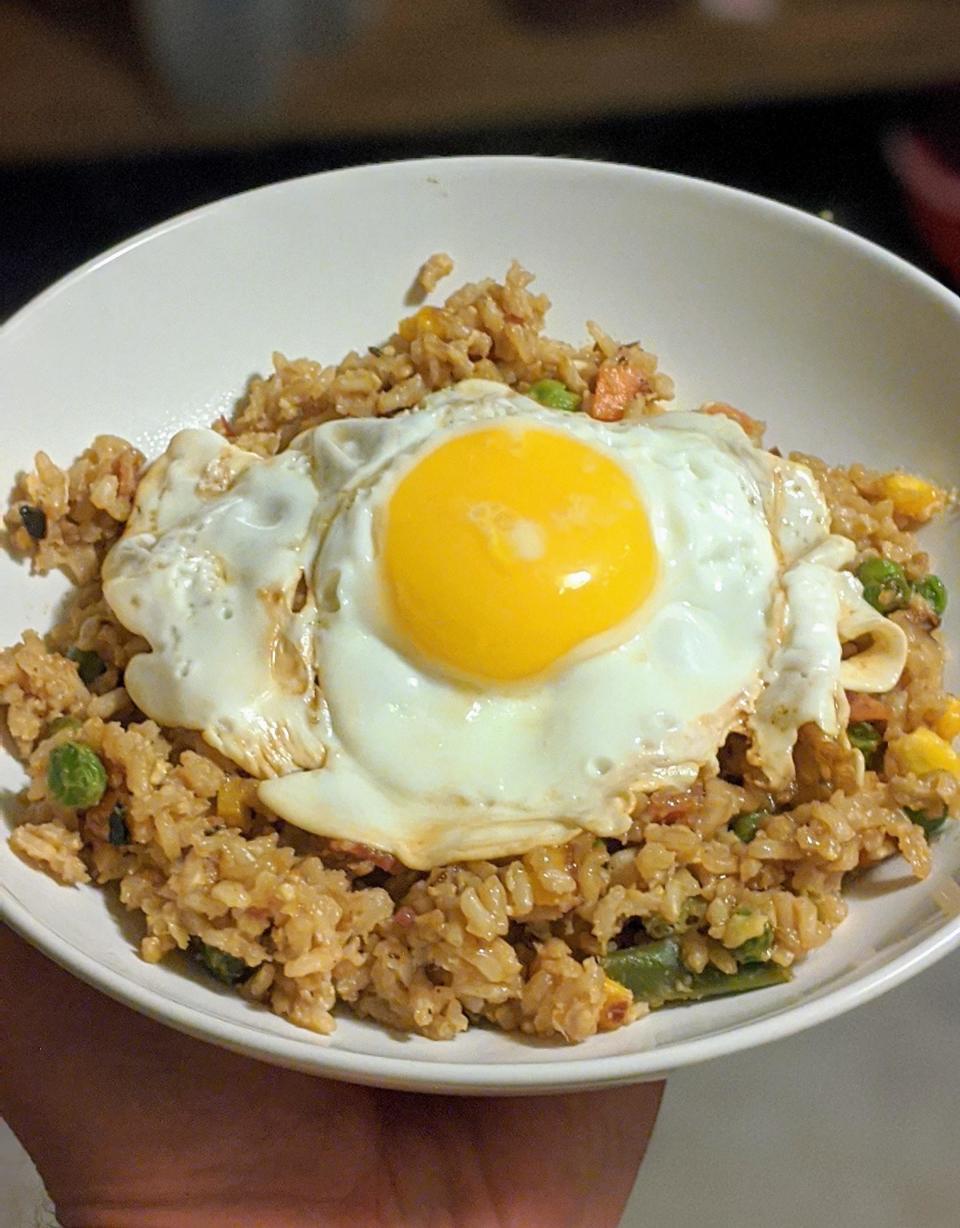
[{"x": 484, "y": 625}]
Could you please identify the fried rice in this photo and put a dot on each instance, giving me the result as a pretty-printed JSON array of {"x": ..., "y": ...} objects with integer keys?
[{"x": 300, "y": 923}]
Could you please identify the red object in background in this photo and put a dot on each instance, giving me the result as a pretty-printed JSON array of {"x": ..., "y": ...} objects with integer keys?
[{"x": 930, "y": 178}]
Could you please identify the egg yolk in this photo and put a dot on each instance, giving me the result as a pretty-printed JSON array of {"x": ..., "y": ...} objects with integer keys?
[{"x": 506, "y": 547}]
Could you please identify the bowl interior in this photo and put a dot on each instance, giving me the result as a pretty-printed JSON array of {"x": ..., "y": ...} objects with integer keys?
[{"x": 845, "y": 351}]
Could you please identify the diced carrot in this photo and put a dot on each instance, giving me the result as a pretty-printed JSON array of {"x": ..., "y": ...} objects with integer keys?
[
  {"x": 867, "y": 707},
  {"x": 752, "y": 427},
  {"x": 616, "y": 386}
]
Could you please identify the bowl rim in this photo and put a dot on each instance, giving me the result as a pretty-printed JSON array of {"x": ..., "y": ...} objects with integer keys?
[
  {"x": 305, "y": 1052},
  {"x": 315, "y": 1056},
  {"x": 816, "y": 224}
]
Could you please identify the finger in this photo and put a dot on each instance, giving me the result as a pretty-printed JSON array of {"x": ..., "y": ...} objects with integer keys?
[
  {"x": 108, "y": 1101},
  {"x": 583, "y": 1149},
  {"x": 567, "y": 1160}
]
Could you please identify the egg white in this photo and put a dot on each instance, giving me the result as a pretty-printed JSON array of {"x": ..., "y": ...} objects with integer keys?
[
  {"x": 743, "y": 632},
  {"x": 208, "y": 572}
]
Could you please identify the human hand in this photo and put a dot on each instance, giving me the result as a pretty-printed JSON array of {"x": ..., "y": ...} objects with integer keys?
[{"x": 134, "y": 1126}]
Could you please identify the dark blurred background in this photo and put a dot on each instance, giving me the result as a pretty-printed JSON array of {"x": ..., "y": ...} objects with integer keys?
[{"x": 114, "y": 115}]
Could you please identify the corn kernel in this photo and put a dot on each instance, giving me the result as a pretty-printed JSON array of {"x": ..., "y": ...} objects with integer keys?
[
  {"x": 151, "y": 950},
  {"x": 924, "y": 751},
  {"x": 426, "y": 320},
  {"x": 230, "y": 799},
  {"x": 912, "y": 496},
  {"x": 616, "y": 1007},
  {"x": 948, "y": 723}
]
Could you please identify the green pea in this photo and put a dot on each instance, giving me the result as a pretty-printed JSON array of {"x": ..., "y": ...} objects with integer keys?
[
  {"x": 933, "y": 590},
  {"x": 865, "y": 738},
  {"x": 90, "y": 665},
  {"x": 879, "y": 571},
  {"x": 62, "y": 722},
  {"x": 930, "y": 826},
  {"x": 885, "y": 586},
  {"x": 228, "y": 969},
  {"x": 117, "y": 831},
  {"x": 75, "y": 775},
  {"x": 745, "y": 826},
  {"x": 554, "y": 395}
]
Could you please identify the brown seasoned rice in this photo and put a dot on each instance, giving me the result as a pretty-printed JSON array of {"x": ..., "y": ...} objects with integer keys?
[{"x": 517, "y": 943}]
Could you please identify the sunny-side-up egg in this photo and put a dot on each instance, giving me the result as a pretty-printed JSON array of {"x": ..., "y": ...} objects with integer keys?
[{"x": 483, "y": 625}]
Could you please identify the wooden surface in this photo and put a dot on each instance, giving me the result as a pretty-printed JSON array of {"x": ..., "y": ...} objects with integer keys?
[{"x": 431, "y": 65}]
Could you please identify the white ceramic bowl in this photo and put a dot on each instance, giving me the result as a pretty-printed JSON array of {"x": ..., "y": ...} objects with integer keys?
[{"x": 845, "y": 350}]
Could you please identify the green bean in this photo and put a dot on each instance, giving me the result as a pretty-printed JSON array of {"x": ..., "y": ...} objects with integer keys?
[
  {"x": 228, "y": 969},
  {"x": 712, "y": 983},
  {"x": 930, "y": 826},
  {"x": 90, "y": 665},
  {"x": 118, "y": 832},
  {"x": 554, "y": 395},
  {"x": 755, "y": 950},
  {"x": 75, "y": 775},
  {"x": 865, "y": 738},
  {"x": 885, "y": 585},
  {"x": 933, "y": 590},
  {"x": 745, "y": 826},
  {"x": 654, "y": 973}
]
